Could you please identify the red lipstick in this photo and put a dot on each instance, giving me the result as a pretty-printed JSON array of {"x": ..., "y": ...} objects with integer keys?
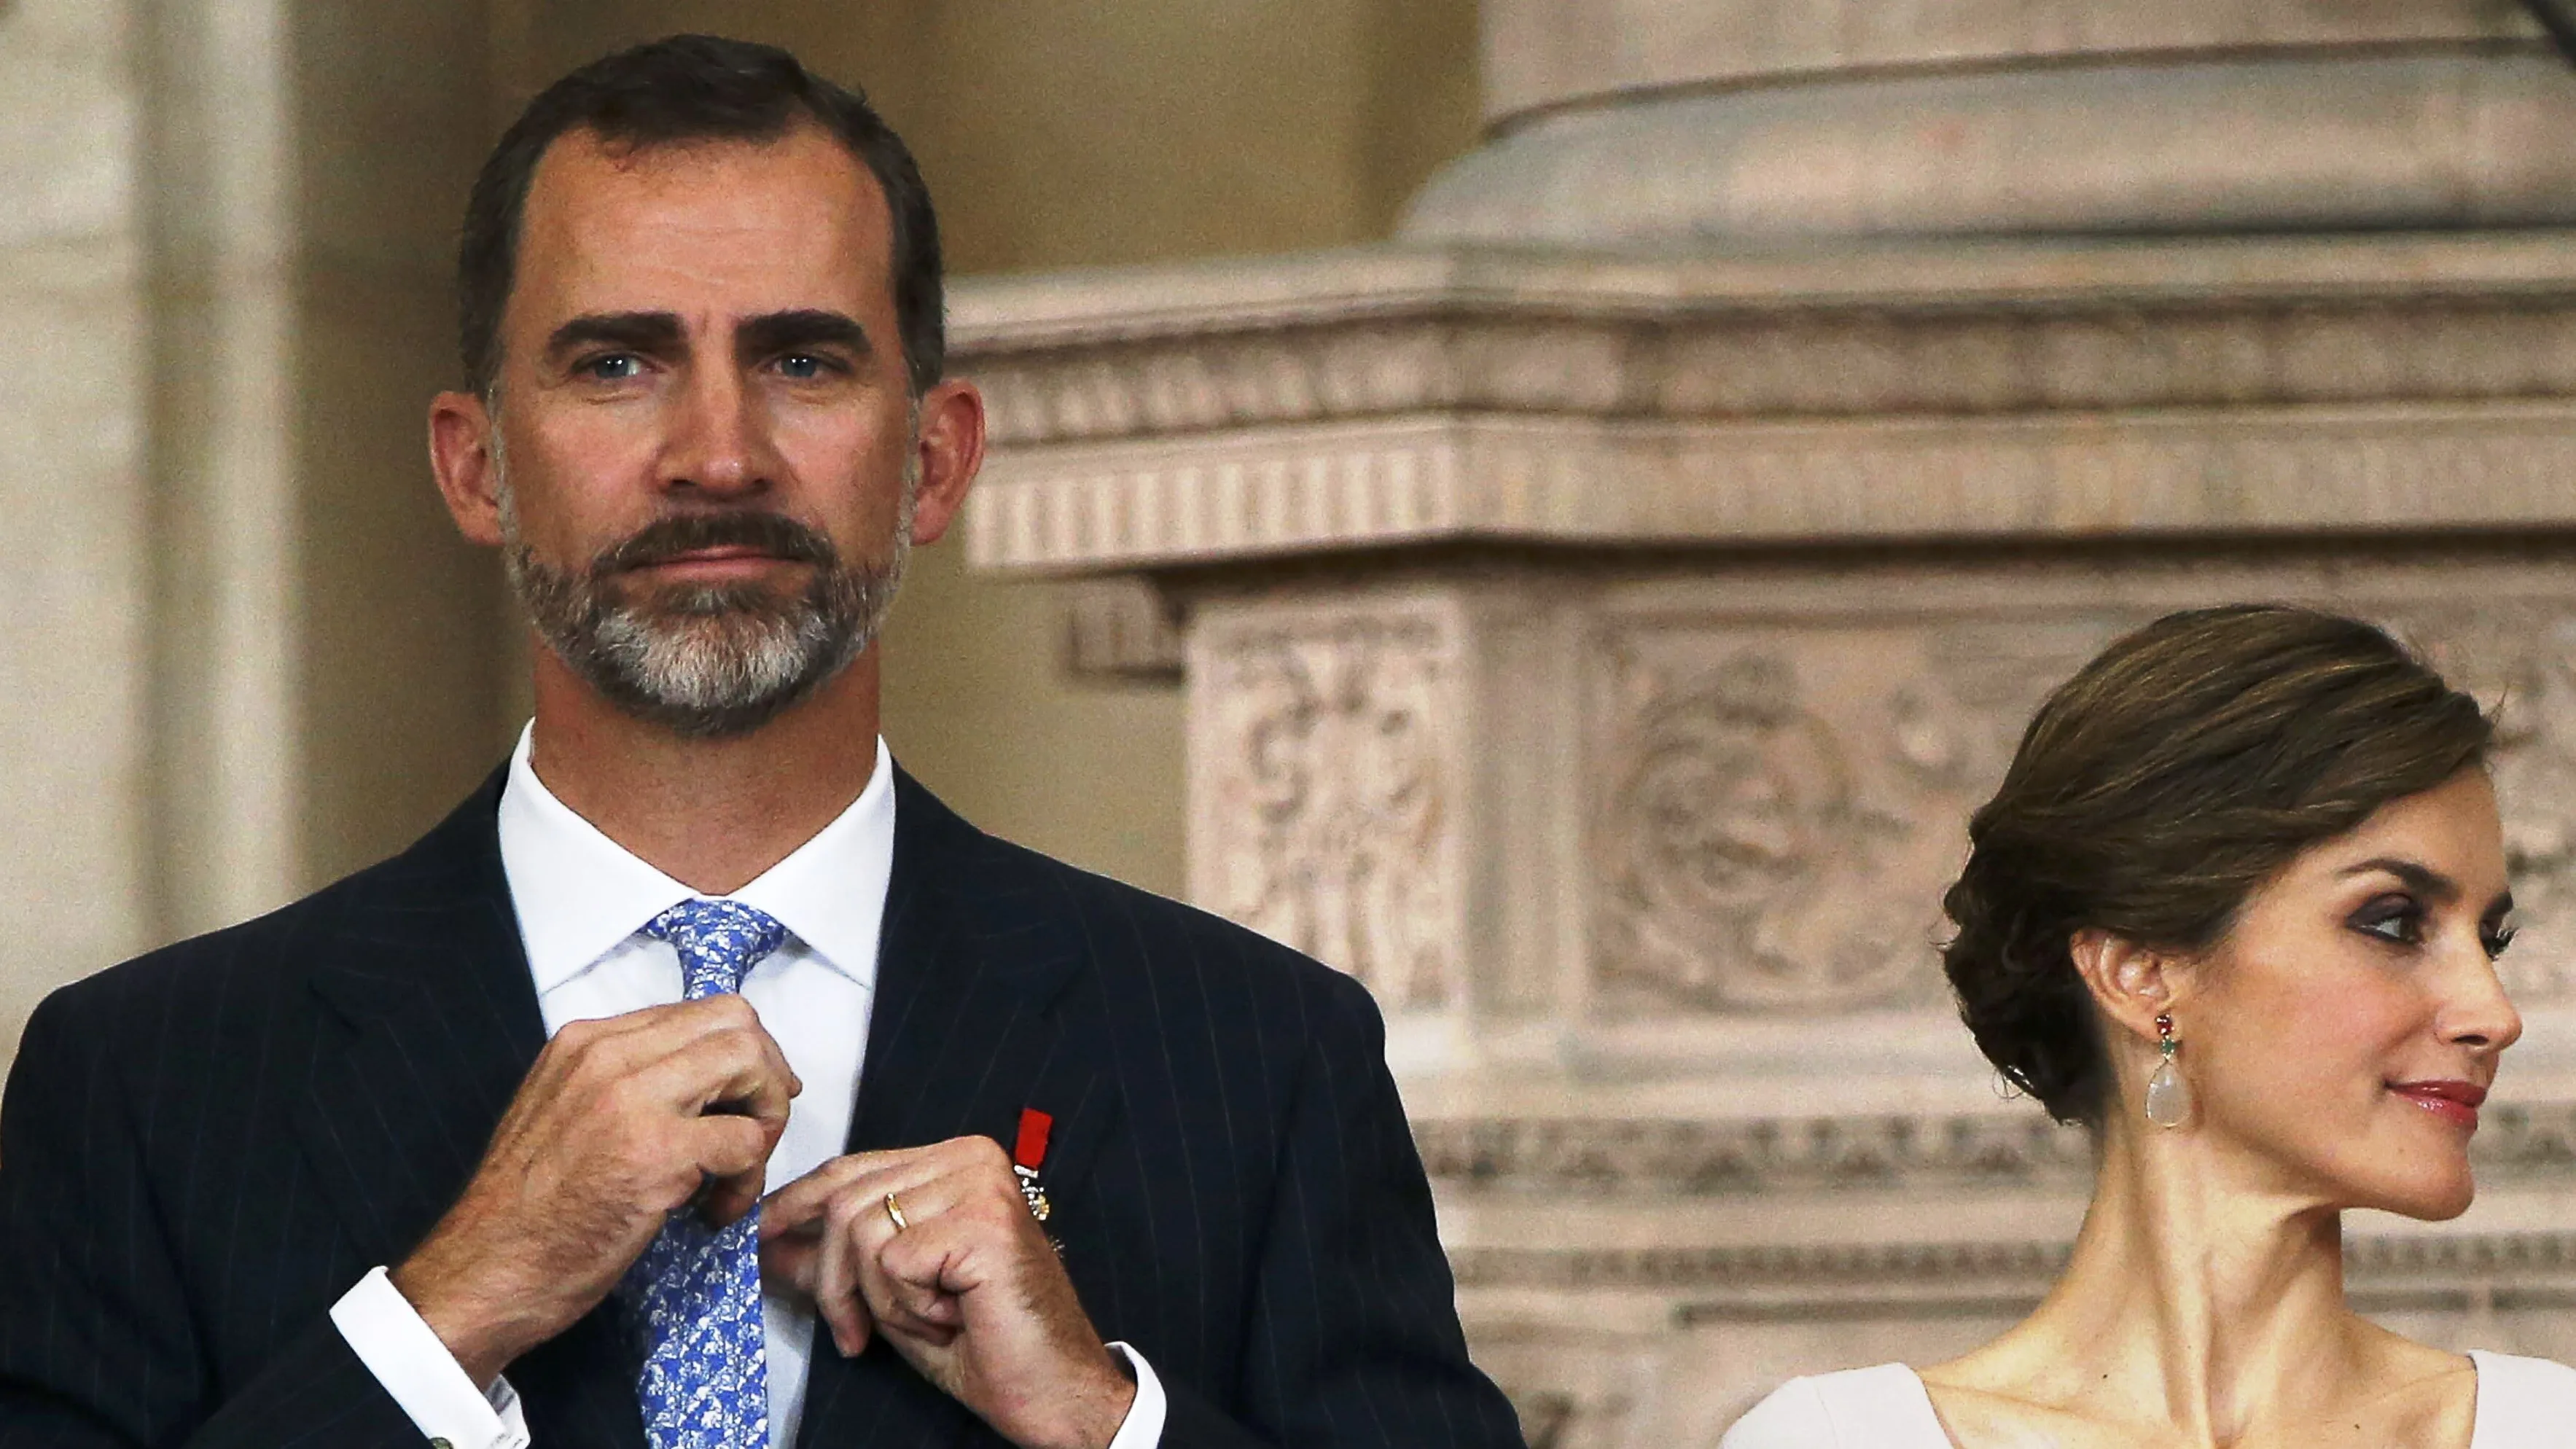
[{"x": 2453, "y": 1102}]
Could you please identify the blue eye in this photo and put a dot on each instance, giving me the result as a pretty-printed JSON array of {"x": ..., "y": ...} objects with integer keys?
[
  {"x": 801, "y": 366},
  {"x": 615, "y": 367}
]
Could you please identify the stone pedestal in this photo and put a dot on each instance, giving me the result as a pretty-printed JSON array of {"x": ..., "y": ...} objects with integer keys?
[{"x": 1597, "y": 651}]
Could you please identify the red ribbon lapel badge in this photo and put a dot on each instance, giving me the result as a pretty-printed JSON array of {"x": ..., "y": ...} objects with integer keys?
[{"x": 1028, "y": 1154}]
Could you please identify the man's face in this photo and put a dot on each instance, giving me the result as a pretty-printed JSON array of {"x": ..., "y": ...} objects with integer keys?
[{"x": 703, "y": 461}]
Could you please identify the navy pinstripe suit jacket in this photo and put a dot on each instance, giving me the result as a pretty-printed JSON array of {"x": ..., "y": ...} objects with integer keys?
[{"x": 200, "y": 1150}]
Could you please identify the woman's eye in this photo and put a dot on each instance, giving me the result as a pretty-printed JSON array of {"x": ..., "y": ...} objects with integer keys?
[{"x": 2398, "y": 921}]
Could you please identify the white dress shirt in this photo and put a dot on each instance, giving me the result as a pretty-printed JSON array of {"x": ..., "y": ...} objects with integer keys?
[{"x": 582, "y": 901}]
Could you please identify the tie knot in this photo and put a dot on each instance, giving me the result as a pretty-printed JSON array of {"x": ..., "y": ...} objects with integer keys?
[{"x": 718, "y": 942}]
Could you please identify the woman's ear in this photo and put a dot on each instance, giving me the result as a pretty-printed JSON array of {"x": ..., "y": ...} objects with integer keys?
[{"x": 2132, "y": 984}]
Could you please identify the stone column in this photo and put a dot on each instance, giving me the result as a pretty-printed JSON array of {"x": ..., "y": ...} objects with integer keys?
[
  {"x": 1601, "y": 607},
  {"x": 1652, "y": 121},
  {"x": 250, "y": 653},
  {"x": 73, "y": 364}
]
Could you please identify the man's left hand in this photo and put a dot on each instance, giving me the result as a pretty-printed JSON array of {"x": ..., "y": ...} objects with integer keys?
[{"x": 968, "y": 1289}]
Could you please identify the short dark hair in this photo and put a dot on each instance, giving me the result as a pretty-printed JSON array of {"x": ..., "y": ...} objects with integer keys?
[
  {"x": 693, "y": 88},
  {"x": 2155, "y": 790}
]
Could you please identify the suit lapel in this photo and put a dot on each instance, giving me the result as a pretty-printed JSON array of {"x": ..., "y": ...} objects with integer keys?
[
  {"x": 966, "y": 1032},
  {"x": 439, "y": 1024},
  {"x": 964, "y": 1036}
]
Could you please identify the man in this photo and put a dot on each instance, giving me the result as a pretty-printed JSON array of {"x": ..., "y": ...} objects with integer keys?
[{"x": 702, "y": 1080}]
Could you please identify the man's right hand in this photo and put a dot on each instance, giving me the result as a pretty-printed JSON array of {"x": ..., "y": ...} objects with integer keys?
[{"x": 620, "y": 1121}]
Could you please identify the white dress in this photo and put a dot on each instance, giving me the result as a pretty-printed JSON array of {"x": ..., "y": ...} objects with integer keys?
[{"x": 2523, "y": 1403}]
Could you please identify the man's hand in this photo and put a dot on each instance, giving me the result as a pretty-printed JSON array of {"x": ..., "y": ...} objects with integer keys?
[
  {"x": 969, "y": 1291},
  {"x": 620, "y": 1121}
]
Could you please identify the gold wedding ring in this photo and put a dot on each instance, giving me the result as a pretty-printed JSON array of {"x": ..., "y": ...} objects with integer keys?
[{"x": 894, "y": 1212}]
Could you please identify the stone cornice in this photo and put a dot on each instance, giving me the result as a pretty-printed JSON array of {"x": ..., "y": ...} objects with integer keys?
[
  {"x": 1330, "y": 487},
  {"x": 1018, "y": 316},
  {"x": 1970, "y": 330},
  {"x": 1805, "y": 1276},
  {"x": 1361, "y": 399},
  {"x": 1700, "y": 1158},
  {"x": 2526, "y": 1143}
]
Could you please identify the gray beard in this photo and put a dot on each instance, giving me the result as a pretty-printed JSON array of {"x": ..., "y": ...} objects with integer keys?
[{"x": 707, "y": 661}]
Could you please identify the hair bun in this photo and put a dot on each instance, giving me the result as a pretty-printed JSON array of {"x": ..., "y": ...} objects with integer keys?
[{"x": 2156, "y": 789}]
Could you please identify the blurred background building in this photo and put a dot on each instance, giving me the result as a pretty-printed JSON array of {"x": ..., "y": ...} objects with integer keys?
[{"x": 1558, "y": 507}]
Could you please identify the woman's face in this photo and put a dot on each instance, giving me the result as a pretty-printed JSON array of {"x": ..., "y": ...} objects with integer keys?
[{"x": 2351, "y": 1021}]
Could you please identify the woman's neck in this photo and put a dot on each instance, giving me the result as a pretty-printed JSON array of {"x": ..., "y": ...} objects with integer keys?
[{"x": 2200, "y": 1297}]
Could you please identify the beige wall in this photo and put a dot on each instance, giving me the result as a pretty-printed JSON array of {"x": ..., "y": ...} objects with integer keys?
[
  {"x": 74, "y": 659},
  {"x": 399, "y": 615},
  {"x": 324, "y": 681},
  {"x": 244, "y": 659},
  {"x": 1062, "y": 135}
]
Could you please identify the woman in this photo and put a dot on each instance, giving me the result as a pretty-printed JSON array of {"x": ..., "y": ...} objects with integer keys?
[{"x": 2236, "y": 909}]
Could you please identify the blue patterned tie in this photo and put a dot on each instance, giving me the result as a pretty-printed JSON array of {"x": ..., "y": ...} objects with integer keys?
[{"x": 695, "y": 1294}]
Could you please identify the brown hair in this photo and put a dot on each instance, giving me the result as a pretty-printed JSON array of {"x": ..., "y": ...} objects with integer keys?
[
  {"x": 2153, "y": 792},
  {"x": 680, "y": 89}
]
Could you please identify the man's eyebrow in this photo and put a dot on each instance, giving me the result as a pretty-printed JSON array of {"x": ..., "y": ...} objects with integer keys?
[
  {"x": 774, "y": 332},
  {"x": 636, "y": 331},
  {"x": 2422, "y": 879}
]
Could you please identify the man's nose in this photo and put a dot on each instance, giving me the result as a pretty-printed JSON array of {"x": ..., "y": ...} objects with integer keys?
[{"x": 720, "y": 443}]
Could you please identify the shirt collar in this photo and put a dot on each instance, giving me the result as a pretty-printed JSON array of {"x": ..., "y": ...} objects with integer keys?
[{"x": 579, "y": 895}]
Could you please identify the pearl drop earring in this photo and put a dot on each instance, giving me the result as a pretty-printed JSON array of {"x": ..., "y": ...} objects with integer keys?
[{"x": 2168, "y": 1095}]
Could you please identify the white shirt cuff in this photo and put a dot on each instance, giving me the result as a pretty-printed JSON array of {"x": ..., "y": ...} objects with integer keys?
[
  {"x": 428, "y": 1384},
  {"x": 1144, "y": 1426}
]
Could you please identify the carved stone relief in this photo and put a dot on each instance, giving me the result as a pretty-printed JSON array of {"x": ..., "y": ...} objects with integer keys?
[
  {"x": 1632, "y": 1157},
  {"x": 1328, "y": 798},
  {"x": 1784, "y": 808},
  {"x": 1725, "y": 360},
  {"x": 1731, "y": 821},
  {"x": 1548, "y": 1158},
  {"x": 1878, "y": 1272}
]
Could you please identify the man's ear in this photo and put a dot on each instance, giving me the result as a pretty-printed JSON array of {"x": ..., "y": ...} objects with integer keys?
[
  {"x": 2131, "y": 984},
  {"x": 951, "y": 450},
  {"x": 460, "y": 454}
]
